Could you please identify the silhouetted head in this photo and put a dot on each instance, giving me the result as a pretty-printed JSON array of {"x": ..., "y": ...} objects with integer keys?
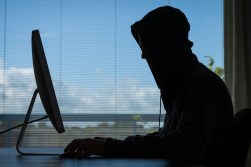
[{"x": 163, "y": 37}]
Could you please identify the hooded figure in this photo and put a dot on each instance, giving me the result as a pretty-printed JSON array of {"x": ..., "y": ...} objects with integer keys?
[
  {"x": 199, "y": 117},
  {"x": 164, "y": 37}
]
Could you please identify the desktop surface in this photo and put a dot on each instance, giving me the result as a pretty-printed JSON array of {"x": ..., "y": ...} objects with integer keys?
[{"x": 10, "y": 158}]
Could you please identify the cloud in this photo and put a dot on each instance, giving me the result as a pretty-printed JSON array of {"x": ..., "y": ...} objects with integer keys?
[
  {"x": 128, "y": 97},
  {"x": 16, "y": 87},
  {"x": 128, "y": 100}
]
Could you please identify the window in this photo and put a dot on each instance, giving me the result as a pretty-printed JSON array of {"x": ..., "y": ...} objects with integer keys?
[{"x": 103, "y": 86}]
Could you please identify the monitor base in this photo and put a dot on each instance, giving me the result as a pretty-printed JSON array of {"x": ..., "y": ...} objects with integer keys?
[{"x": 26, "y": 121}]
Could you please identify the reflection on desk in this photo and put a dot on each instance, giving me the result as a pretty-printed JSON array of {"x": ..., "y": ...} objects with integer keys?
[{"x": 10, "y": 158}]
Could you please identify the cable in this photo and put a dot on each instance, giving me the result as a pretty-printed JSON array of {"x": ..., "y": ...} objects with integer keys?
[
  {"x": 23, "y": 124},
  {"x": 159, "y": 110}
]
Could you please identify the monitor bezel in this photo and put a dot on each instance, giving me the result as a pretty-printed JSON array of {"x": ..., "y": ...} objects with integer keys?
[{"x": 44, "y": 83}]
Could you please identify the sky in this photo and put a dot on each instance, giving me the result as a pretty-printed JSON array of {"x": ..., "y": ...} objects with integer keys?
[{"x": 94, "y": 61}]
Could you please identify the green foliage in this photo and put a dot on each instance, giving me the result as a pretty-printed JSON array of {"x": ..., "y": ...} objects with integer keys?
[
  {"x": 217, "y": 70},
  {"x": 137, "y": 117}
]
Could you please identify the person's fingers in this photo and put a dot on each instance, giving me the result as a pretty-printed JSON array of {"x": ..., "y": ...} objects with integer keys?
[
  {"x": 82, "y": 155},
  {"x": 86, "y": 148},
  {"x": 82, "y": 148},
  {"x": 79, "y": 148},
  {"x": 71, "y": 147},
  {"x": 67, "y": 148}
]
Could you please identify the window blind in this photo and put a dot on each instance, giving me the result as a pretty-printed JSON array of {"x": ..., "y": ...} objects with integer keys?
[{"x": 103, "y": 86}]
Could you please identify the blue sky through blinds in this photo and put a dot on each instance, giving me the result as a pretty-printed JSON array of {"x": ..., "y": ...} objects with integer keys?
[{"x": 94, "y": 61}]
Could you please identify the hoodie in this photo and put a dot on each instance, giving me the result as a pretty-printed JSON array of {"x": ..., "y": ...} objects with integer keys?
[{"x": 199, "y": 118}]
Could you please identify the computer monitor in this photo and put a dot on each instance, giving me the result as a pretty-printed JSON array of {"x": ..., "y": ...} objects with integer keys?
[
  {"x": 44, "y": 82},
  {"x": 45, "y": 89}
]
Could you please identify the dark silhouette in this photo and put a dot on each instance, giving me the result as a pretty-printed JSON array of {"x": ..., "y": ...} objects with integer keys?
[
  {"x": 199, "y": 118},
  {"x": 242, "y": 138}
]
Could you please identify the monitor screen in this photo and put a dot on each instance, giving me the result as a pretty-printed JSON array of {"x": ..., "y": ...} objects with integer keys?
[{"x": 44, "y": 82}]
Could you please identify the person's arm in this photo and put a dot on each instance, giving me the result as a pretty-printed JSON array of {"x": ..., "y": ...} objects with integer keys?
[{"x": 198, "y": 119}]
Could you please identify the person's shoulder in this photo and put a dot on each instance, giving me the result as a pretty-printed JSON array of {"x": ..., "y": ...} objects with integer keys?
[
  {"x": 203, "y": 74},
  {"x": 202, "y": 77}
]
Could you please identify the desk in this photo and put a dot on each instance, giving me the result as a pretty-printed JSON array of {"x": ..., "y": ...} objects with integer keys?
[{"x": 10, "y": 158}]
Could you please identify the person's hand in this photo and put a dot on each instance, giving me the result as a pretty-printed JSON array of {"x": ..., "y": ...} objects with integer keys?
[{"x": 81, "y": 148}]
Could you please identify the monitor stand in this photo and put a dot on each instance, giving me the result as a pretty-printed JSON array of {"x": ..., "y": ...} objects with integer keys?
[{"x": 26, "y": 122}]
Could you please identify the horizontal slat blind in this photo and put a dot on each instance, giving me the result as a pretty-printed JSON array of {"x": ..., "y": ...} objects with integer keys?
[{"x": 103, "y": 86}]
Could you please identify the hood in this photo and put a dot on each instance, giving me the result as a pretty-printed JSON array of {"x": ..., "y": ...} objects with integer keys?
[{"x": 164, "y": 34}]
